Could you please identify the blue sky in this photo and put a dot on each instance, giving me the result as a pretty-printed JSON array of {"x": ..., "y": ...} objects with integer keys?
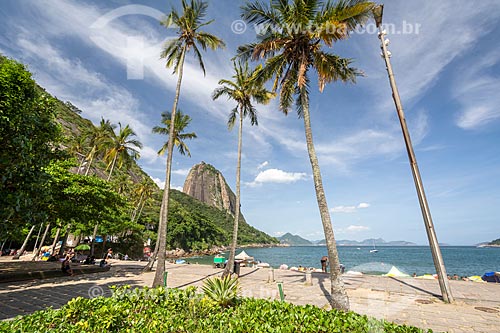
[{"x": 104, "y": 58}]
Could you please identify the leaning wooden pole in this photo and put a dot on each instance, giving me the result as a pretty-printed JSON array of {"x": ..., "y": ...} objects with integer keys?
[{"x": 424, "y": 206}]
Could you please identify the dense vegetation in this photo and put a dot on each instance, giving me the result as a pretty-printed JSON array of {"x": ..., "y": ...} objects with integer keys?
[
  {"x": 174, "y": 310},
  {"x": 46, "y": 152},
  {"x": 27, "y": 134},
  {"x": 193, "y": 225}
]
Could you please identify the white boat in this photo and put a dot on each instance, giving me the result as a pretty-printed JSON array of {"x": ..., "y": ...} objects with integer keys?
[{"x": 374, "y": 250}]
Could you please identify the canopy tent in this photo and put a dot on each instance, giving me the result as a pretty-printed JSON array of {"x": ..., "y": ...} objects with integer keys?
[
  {"x": 82, "y": 247},
  {"x": 243, "y": 256},
  {"x": 396, "y": 272}
]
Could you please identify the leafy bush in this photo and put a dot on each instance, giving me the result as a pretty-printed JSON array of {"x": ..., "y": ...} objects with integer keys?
[
  {"x": 174, "y": 310},
  {"x": 223, "y": 291}
]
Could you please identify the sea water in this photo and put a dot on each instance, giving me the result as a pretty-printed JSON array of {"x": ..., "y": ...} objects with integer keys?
[{"x": 460, "y": 260}]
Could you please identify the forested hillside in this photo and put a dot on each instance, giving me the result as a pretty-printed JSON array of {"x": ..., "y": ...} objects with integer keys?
[{"x": 60, "y": 168}]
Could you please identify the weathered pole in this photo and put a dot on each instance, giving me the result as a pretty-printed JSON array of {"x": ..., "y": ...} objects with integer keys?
[{"x": 424, "y": 206}]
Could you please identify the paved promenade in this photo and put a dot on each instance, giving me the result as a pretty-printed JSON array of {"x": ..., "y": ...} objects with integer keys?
[{"x": 404, "y": 301}]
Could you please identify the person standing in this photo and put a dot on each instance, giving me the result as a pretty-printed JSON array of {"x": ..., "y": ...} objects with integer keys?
[{"x": 324, "y": 262}]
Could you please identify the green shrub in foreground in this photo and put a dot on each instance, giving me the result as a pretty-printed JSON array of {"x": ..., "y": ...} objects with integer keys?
[{"x": 173, "y": 310}]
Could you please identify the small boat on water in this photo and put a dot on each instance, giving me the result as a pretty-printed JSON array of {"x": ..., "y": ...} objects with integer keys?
[{"x": 374, "y": 250}]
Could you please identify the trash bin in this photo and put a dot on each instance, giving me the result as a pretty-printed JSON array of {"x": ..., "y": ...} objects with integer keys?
[{"x": 237, "y": 268}]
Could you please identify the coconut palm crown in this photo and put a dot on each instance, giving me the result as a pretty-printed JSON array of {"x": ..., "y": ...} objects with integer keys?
[
  {"x": 294, "y": 44},
  {"x": 181, "y": 122}
]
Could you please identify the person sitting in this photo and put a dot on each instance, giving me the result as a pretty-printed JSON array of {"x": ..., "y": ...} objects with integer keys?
[
  {"x": 66, "y": 266},
  {"x": 103, "y": 263},
  {"x": 90, "y": 260}
]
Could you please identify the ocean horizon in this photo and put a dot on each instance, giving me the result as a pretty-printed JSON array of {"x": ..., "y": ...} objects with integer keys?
[{"x": 460, "y": 260}]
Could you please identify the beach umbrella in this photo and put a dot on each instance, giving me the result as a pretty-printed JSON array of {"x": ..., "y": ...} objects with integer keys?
[{"x": 82, "y": 247}]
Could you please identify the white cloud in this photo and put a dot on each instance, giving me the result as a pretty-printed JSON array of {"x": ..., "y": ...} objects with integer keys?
[
  {"x": 277, "y": 176},
  {"x": 476, "y": 89},
  {"x": 181, "y": 172},
  {"x": 263, "y": 164},
  {"x": 159, "y": 182},
  {"x": 349, "y": 209},
  {"x": 357, "y": 228},
  {"x": 178, "y": 188},
  {"x": 279, "y": 233}
]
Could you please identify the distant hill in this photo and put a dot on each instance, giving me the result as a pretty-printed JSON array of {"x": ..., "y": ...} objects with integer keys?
[
  {"x": 368, "y": 242},
  {"x": 495, "y": 242},
  {"x": 294, "y": 240}
]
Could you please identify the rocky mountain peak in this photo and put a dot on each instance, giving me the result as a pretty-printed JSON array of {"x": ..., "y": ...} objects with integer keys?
[{"x": 207, "y": 184}]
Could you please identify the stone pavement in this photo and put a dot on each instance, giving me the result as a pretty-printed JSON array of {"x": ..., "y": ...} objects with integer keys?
[{"x": 404, "y": 301}]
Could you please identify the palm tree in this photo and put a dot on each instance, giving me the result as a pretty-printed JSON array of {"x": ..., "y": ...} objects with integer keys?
[
  {"x": 77, "y": 148},
  {"x": 180, "y": 123},
  {"x": 98, "y": 138},
  {"x": 242, "y": 90},
  {"x": 188, "y": 26},
  {"x": 122, "y": 148},
  {"x": 145, "y": 191},
  {"x": 295, "y": 46}
]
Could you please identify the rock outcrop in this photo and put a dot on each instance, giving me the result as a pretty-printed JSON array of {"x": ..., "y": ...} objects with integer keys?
[{"x": 207, "y": 184}]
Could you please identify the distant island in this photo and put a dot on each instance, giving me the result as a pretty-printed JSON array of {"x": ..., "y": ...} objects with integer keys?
[
  {"x": 296, "y": 240},
  {"x": 494, "y": 243}
]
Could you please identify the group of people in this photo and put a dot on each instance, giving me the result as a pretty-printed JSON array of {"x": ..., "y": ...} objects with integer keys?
[{"x": 90, "y": 260}]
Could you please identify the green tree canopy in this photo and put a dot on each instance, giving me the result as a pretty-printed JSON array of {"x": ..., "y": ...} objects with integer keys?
[
  {"x": 29, "y": 136},
  {"x": 84, "y": 201}
]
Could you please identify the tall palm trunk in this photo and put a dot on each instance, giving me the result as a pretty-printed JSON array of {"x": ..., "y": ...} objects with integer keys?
[
  {"x": 162, "y": 234},
  {"x": 23, "y": 248},
  {"x": 230, "y": 265},
  {"x": 112, "y": 166},
  {"x": 47, "y": 228},
  {"x": 339, "y": 299}
]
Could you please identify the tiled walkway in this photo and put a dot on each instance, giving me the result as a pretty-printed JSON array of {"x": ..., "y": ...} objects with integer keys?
[{"x": 405, "y": 301}]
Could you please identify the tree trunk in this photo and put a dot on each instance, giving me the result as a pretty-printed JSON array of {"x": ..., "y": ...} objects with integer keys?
[
  {"x": 23, "y": 248},
  {"x": 162, "y": 234},
  {"x": 65, "y": 239},
  {"x": 112, "y": 166},
  {"x": 53, "y": 249},
  {"x": 134, "y": 213},
  {"x": 140, "y": 211},
  {"x": 230, "y": 264},
  {"x": 47, "y": 228},
  {"x": 92, "y": 153},
  {"x": 94, "y": 235},
  {"x": 153, "y": 256},
  {"x": 37, "y": 238},
  {"x": 339, "y": 299}
]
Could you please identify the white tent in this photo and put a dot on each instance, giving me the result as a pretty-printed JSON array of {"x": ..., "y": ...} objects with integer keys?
[
  {"x": 243, "y": 256},
  {"x": 396, "y": 272}
]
